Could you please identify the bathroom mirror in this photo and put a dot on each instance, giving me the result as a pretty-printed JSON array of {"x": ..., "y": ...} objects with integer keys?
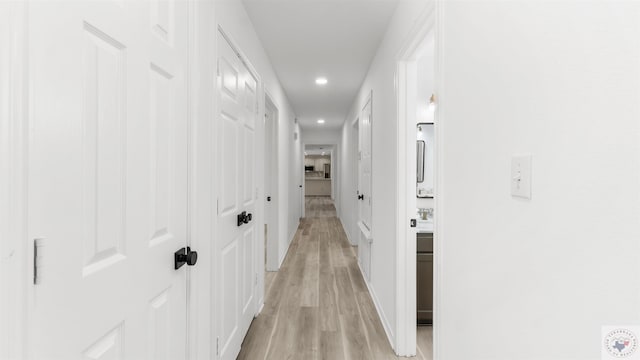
[
  {"x": 425, "y": 161},
  {"x": 420, "y": 169}
]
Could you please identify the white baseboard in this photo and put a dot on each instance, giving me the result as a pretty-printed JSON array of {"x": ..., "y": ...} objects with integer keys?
[
  {"x": 281, "y": 260},
  {"x": 349, "y": 238},
  {"x": 293, "y": 234},
  {"x": 260, "y": 308},
  {"x": 383, "y": 318},
  {"x": 284, "y": 255}
]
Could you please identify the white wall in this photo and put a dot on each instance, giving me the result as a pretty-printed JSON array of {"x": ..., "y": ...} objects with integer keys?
[
  {"x": 202, "y": 89},
  {"x": 14, "y": 278},
  {"x": 380, "y": 79},
  {"x": 232, "y": 17},
  {"x": 536, "y": 279}
]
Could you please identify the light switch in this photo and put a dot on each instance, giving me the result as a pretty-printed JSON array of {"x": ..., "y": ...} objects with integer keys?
[{"x": 521, "y": 175}]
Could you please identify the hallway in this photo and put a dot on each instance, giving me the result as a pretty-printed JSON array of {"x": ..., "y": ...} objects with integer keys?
[
  {"x": 155, "y": 157},
  {"x": 318, "y": 306}
]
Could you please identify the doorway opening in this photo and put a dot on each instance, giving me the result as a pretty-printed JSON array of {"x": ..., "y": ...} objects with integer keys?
[
  {"x": 417, "y": 192},
  {"x": 319, "y": 177},
  {"x": 318, "y": 164}
]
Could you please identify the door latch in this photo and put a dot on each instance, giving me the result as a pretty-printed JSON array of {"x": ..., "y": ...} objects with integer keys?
[
  {"x": 244, "y": 218},
  {"x": 268, "y": 198},
  {"x": 361, "y": 197},
  {"x": 185, "y": 256},
  {"x": 413, "y": 223}
]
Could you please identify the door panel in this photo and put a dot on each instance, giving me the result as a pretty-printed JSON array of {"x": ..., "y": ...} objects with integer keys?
[
  {"x": 248, "y": 271},
  {"x": 108, "y": 347},
  {"x": 249, "y": 166},
  {"x": 108, "y": 178},
  {"x": 103, "y": 137},
  {"x": 237, "y": 128}
]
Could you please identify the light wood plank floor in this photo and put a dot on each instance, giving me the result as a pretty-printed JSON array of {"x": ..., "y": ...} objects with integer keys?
[
  {"x": 318, "y": 306},
  {"x": 319, "y": 207}
]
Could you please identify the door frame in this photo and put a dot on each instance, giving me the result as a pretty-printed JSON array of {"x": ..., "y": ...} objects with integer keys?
[
  {"x": 333, "y": 154},
  {"x": 428, "y": 23},
  {"x": 273, "y": 261},
  {"x": 15, "y": 252},
  {"x": 201, "y": 77},
  {"x": 355, "y": 138}
]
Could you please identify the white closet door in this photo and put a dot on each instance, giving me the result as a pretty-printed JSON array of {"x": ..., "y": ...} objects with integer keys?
[
  {"x": 236, "y": 242},
  {"x": 108, "y": 178}
]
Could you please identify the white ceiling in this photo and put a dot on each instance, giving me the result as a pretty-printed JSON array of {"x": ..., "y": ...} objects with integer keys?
[
  {"x": 318, "y": 149},
  {"x": 305, "y": 39}
]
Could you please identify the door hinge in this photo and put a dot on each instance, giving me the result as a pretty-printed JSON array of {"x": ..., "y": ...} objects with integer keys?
[
  {"x": 256, "y": 280},
  {"x": 38, "y": 258},
  {"x": 218, "y": 206},
  {"x": 218, "y": 346}
]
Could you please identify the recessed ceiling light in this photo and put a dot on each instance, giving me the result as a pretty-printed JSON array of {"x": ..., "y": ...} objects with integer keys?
[
  {"x": 320, "y": 121},
  {"x": 321, "y": 81}
]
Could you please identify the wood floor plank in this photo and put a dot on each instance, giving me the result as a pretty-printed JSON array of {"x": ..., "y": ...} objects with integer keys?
[
  {"x": 308, "y": 337},
  {"x": 346, "y": 296},
  {"x": 380, "y": 347},
  {"x": 331, "y": 347},
  {"x": 311, "y": 278},
  {"x": 424, "y": 342},
  {"x": 354, "y": 338},
  {"x": 282, "y": 340},
  {"x": 328, "y": 303},
  {"x": 255, "y": 342}
]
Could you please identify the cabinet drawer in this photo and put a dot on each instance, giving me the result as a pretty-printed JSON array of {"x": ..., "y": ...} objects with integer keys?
[{"x": 425, "y": 242}]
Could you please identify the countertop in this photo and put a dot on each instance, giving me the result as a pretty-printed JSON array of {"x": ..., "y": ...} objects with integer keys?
[{"x": 424, "y": 226}]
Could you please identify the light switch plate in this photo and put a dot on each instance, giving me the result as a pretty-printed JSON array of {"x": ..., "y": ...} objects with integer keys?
[{"x": 521, "y": 176}]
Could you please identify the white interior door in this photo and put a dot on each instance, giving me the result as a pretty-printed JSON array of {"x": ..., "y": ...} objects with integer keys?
[
  {"x": 354, "y": 140},
  {"x": 237, "y": 193},
  {"x": 271, "y": 187},
  {"x": 364, "y": 189},
  {"x": 108, "y": 178},
  {"x": 364, "y": 184}
]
